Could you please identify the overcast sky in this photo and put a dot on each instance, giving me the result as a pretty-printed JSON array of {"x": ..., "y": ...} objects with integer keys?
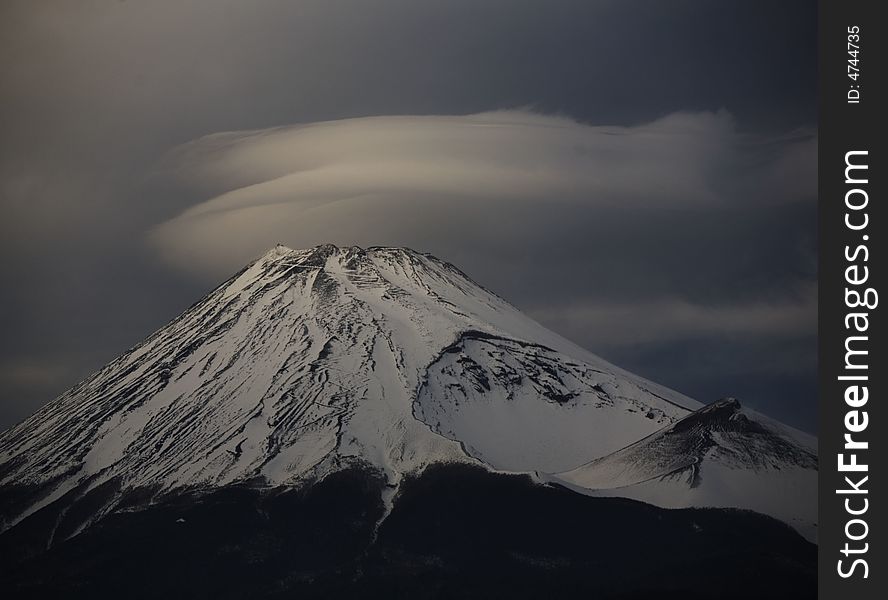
[{"x": 638, "y": 176}]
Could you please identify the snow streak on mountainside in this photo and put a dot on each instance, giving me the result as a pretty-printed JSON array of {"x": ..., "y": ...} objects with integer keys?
[{"x": 308, "y": 359}]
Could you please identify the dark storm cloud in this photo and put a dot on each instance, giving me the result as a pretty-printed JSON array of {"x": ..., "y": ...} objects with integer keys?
[{"x": 95, "y": 93}]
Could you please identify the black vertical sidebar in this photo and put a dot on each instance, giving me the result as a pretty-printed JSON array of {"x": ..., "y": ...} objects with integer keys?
[{"x": 853, "y": 225}]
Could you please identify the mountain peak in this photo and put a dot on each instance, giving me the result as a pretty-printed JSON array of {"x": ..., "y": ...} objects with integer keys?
[
  {"x": 306, "y": 358},
  {"x": 281, "y": 248},
  {"x": 323, "y": 251}
]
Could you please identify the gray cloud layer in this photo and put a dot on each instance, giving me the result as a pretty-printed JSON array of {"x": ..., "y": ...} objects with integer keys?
[{"x": 94, "y": 93}]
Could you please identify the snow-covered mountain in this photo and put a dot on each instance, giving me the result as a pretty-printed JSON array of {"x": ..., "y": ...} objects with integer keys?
[
  {"x": 721, "y": 455},
  {"x": 310, "y": 361}
]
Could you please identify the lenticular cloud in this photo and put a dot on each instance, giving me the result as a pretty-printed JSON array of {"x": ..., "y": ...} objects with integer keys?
[{"x": 405, "y": 179}]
